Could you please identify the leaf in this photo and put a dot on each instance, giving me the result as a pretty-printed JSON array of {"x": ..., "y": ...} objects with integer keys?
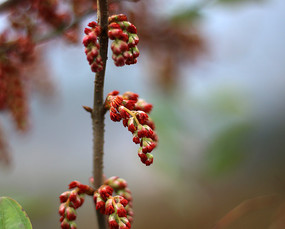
[{"x": 12, "y": 215}]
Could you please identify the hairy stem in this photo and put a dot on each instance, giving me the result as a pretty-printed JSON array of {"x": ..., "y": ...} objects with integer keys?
[{"x": 98, "y": 106}]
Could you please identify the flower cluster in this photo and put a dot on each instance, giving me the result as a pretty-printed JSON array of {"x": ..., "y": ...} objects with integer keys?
[
  {"x": 120, "y": 187},
  {"x": 125, "y": 38},
  {"x": 113, "y": 206},
  {"x": 134, "y": 114},
  {"x": 14, "y": 56},
  {"x": 48, "y": 11},
  {"x": 92, "y": 46},
  {"x": 118, "y": 208},
  {"x": 71, "y": 200},
  {"x": 36, "y": 16}
]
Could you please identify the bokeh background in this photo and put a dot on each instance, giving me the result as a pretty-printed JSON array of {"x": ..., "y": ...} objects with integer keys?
[{"x": 220, "y": 118}]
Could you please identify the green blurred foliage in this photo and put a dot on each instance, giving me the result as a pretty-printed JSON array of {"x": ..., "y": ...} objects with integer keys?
[
  {"x": 216, "y": 126},
  {"x": 228, "y": 149},
  {"x": 190, "y": 14},
  {"x": 169, "y": 127},
  {"x": 194, "y": 12},
  {"x": 230, "y": 125},
  {"x": 238, "y": 1}
]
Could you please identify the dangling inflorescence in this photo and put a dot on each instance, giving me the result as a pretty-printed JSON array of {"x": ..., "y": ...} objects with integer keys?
[
  {"x": 112, "y": 206},
  {"x": 14, "y": 56},
  {"x": 120, "y": 187},
  {"x": 125, "y": 38},
  {"x": 118, "y": 208},
  {"x": 92, "y": 46},
  {"x": 133, "y": 113},
  {"x": 124, "y": 46},
  {"x": 71, "y": 200}
]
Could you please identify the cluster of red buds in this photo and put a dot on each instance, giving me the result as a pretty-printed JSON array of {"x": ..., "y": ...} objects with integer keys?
[
  {"x": 14, "y": 55},
  {"x": 36, "y": 15},
  {"x": 92, "y": 46},
  {"x": 113, "y": 206},
  {"x": 16, "y": 101},
  {"x": 48, "y": 11},
  {"x": 118, "y": 208},
  {"x": 71, "y": 200},
  {"x": 134, "y": 114},
  {"x": 125, "y": 38},
  {"x": 120, "y": 187}
]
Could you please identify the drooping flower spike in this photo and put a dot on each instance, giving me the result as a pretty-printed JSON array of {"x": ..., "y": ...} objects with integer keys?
[
  {"x": 134, "y": 114},
  {"x": 92, "y": 46},
  {"x": 124, "y": 45},
  {"x": 118, "y": 208},
  {"x": 113, "y": 206},
  {"x": 124, "y": 34},
  {"x": 120, "y": 187},
  {"x": 70, "y": 201}
]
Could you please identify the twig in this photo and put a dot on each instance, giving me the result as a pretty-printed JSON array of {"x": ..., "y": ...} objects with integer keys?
[
  {"x": 278, "y": 221},
  {"x": 98, "y": 114},
  {"x": 243, "y": 208},
  {"x": 59, "y": 31},
  {"x": 9, "y": 4}
]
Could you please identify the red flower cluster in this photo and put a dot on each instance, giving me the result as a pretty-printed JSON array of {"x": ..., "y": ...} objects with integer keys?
[
  {"x": 133, "y": 112},
  {"x": 124, "y": 46},
  {"x": 14, "y": 55},
  {"x": 38, "y": 16},
  {"x": 125, "y": 38},
  {"x": 120, "y": 187},
  {"x": 71, "y": 200},
  {"x": 118, "y": 208},
  {"x": 113, "y": 206},
  {"x": 48, "y": 11},
  {"x": 92, "y": 46}
]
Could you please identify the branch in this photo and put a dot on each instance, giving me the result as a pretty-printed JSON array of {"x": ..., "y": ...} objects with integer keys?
[
  {"x": 59, "y": 31},
  {"x": 9, "y": 4},
  {"x": 98, "y": 114},
  {"x": 244, "y": 208}
]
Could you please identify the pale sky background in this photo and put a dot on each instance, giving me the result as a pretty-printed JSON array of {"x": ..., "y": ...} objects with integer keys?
[{"x": 247, "y": 54}]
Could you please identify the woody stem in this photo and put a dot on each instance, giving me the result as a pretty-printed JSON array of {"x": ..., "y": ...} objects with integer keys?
[{"x": 98, "y": 112}]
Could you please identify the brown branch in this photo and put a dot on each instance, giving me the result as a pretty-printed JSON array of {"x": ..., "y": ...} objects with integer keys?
[
  {"x": 245, "y": 207},
  {"x": 118, "y": 1},
  {"x": 98, "y": 114},
  {"x": 9, "y": 4},
  {"x": 278, "y": 221},
  {"x": 55, "y": 33},
  {"x": 4, "y": 152}
]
